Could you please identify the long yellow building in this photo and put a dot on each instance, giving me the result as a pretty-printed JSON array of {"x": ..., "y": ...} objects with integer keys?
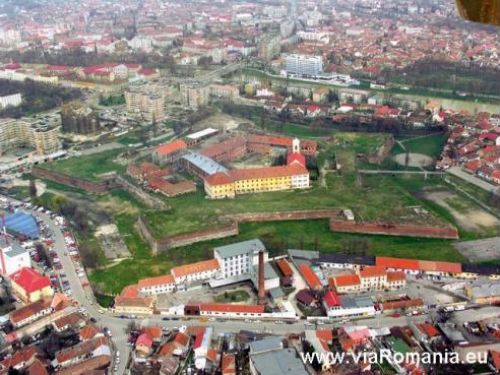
[{"x": 256, "y": 180}]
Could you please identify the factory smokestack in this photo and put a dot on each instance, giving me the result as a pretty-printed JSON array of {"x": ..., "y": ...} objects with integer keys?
[{"x": 261, "y": 281}]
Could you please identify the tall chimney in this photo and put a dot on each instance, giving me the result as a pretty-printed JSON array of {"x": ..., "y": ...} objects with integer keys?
[{"x": 262, "y": 288}]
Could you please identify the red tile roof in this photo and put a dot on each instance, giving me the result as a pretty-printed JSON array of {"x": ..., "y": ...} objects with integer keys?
[
  {"x": 171, "y": 147},
  {"x": 331, "y": 299},
  {"x": 25, "y": 312},
  {"x": 144, "y": 340},
  {"x": 397, "y": 263},
  {"x": 284, "y": 267},
  {"x": 396, "y": 276},
  {"x": 310, "y": 276},
  {"x": 30, "y": 280},
  {"x": 403, "y": 304},
  {"x": 268, "y": 172},
  {"x": 159, "y": 280},
  {"x": 428, "y": 329},
  {"x": 346, "y": 280},
  {"x": 495, "y": 359},
  {"x": 228, "y": 365},
  {"x": 372, "y": 272},
  {"x": 228, "y": 308},
  {"x": 296, "y": 158},
  {"x": 189, "y": 269},
  {"x": 219, "y": 178}
]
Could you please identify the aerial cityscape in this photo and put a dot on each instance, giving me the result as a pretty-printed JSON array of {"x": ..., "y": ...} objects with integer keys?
[{"x": 249, "y": 187}]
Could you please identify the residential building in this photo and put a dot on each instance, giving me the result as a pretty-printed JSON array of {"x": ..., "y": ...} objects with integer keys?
[
  {"x": 194, "y": 95},
  {"x": 30, "y": 286},
  {"x": 13, "y": 100},
  {"x": 231, "y": 310},
  {"x": 283, "y": 361},
  {"x": 79, "y": 119},
  {"x": 346, "y": 283},
  {"x": 31, "y": 312},
  {"x": 38, "y": 134},
  {"x": 130, "y": 302},
  {"x": 303, "y": 65},
  {"x": 150, "y": 105},
  {"x": 269, "y": 47}
]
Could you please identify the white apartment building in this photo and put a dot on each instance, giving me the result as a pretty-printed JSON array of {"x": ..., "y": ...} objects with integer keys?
[
  {"x": 303, "y": 65},
  {"x": 43, "y": 137},
  {"x": 10, "y": 100}
]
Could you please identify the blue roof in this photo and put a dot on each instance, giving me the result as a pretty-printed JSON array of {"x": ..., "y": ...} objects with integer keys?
[
  {"x": 206, "y": 164},
  {"x": 21, "y": 223}
]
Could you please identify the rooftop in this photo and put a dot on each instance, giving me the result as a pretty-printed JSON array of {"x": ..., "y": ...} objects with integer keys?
[
  {"x": 278, "y": 362},
  {"x": 240, "y": 248},
  {"x": 207, "y": 165},
  {"x": 188, "y": 269},
  {"x": 30, "y": 280},
  {"x": 202, "y": 133}
]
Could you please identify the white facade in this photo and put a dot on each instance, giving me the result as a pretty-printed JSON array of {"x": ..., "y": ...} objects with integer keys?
[
  {"x": 10, "y": 100},
  {"x": 153, "y": 290},
  {"x": 304, "y": 65},
  {"x": 351, "y": 311},
  {"x": 13, "y": 258},
  {"x": 239, "y": 259},
  {"x": 300, "y": 181}
]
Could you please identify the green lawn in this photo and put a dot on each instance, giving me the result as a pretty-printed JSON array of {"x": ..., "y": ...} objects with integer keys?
[
  {"x": 430, "y": 145},
  {"x": 88, "y": 167},
  {"x": 232, "y": 297}
]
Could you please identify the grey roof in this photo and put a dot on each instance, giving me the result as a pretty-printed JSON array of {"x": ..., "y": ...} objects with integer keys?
[
  {"x": 452, "y": 333},
  {"x": 266, "y": 344},
  {"x": 276, "y": 293},
  {"x": 485, "y": 289},
  {"x": 239, "y": 248},
  {"x": 305, "y": 254},
  {"x": 15, "y": 248},
  {"x": 206, "y": 164},
  {"x": 355, "y": 302},
  {"x": 278, "y": 362}
]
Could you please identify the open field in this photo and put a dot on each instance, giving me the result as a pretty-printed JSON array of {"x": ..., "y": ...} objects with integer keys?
[
  {"x": 430, "y": 145},
  {"x": 88, "y": 167},
  {"x": 414, "y": 160},
  {"x": 487, "y": 249},
  {"x": 467, "y": 215}
]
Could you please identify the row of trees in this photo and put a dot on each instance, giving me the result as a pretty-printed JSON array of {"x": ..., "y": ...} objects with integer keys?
[{"x": 37, "y": 96}]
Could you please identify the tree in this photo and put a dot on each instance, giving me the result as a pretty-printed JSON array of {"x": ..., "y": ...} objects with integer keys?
[{"x": 33, "y": 191}]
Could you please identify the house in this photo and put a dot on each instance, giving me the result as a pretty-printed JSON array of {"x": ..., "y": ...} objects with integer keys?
[
  {"x": 20, "y": 359},
  {"x": 68, "y": 321},
  {"x": 352, "y": 306},
  {"x": 130, "y": 302},
  {"x": 345, "y": 283},
  {"x": 30, "y": 286},
  {"x": 72, "y": 355},
  {"x": 228, "y": 364},
  {"x": 144, "y": 345},
  {"x": 89, "y": 332},
  {"x": 331, "y": 301},
  {"x": 305, "y": 298},
  {"x": 87, "y": 366},
  {"x": 30, "y": 313}
]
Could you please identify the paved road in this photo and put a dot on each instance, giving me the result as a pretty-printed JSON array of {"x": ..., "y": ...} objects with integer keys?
[
  {"x": 85, "y": 298},
  {"x": 458, "y": 172}
]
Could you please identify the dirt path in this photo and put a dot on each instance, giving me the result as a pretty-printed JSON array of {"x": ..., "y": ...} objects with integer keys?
[{"x": 470, "y": 217}]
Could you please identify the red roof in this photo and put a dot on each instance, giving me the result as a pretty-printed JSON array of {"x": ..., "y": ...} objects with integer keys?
[
  {"x": 331, "y": 299},
  {"x": 310, "y": 276},
  {"x": 296, "y": 158},
  {"x": 495, "y": 358},
  {"x": 147, "y": 72},
  {"x": 228, "y": 308},
  {"x": 372, "y": 272},
  {"x": 284, "y": 267},
  {"x": 219, "y": 178},
  {"x": 171, "y": 147},
  {"x": 347, "y": 280},
  {"x": 144, "y": 340},
  {"x": 268, "y": 172},
  {"x": 396, "y": 276},
  {"x": 428, "y": 329},
  {"x": 30, "y": 280},
  {"x": 397, "y": 263}
]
